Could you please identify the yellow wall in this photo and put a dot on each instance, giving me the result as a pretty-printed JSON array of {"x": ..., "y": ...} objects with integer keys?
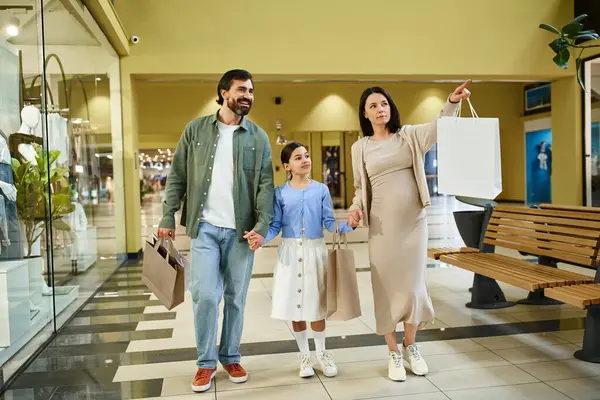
[
  {"x": 440, "y": 38},
  {"x": 165, "y": 108},
  {"x": 567, "y": 153}
]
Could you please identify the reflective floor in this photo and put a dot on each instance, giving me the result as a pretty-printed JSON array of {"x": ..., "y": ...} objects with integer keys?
[{"x": 125, "y": 345}]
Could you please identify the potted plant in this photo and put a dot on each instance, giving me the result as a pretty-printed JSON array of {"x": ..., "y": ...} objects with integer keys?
[
  {"x": 571, "y": 37},
  {"x": 42, "y": 196}
]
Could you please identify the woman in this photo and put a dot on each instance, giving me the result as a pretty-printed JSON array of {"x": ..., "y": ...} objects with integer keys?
[{"x": 391, "y": 196}]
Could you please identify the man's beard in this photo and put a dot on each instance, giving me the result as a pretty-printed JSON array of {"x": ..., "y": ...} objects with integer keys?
[{"x": 238, "y": 109}]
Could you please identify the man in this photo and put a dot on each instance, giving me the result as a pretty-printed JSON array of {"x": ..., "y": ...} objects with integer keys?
[{"x": 226, "y": 220}]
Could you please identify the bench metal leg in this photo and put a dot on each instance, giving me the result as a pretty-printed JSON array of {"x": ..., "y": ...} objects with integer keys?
[
  {"x": 537, "y": 297},
  {"x": 591, "y": 337},
  {"x": 486, "y": 294}
]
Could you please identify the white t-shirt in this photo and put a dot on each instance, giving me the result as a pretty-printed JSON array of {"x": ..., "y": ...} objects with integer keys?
[{"x": 218, "y": 207}]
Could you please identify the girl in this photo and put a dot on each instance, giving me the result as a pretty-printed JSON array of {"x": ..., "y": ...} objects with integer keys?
[{"x": 302, "y": 208}]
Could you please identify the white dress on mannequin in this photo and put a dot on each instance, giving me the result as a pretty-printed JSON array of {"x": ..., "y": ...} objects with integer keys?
[
  {"x": 58, "y": 137},
  {"x": 31, "y": 121}
]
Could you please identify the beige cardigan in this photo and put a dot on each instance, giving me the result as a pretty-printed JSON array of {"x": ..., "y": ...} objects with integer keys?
[{"x": 420, "y": 139}]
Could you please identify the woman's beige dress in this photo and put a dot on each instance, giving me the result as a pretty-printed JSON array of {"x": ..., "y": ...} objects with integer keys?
[{"x": 397, "y": 237}]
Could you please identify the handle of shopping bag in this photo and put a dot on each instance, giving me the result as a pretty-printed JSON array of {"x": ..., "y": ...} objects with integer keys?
[
  {"x": 459, "y": 109},
  {"x": 337, "y": 238},
  {"x": 159, "y": 243}
]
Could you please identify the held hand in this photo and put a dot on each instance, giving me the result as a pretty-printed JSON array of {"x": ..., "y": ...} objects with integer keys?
[
  {"x": 9, "y": 191},
  {"x": 461, "y": 93},
  {"x": 166, "y": 233},
  {"x": 354, "y": 218},
  {"x": 255, "y": 240}
]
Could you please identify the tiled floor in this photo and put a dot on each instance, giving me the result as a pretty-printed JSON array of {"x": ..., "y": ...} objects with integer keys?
[{"x": 126, "y": 345}]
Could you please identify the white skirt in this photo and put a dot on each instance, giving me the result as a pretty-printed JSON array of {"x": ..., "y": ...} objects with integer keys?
[{"x": 300, "y": 277}]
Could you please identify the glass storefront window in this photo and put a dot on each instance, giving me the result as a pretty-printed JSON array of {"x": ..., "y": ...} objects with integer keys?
[
  {"x": 62, "y": 217},
  {"x": 591, "y": 109}
]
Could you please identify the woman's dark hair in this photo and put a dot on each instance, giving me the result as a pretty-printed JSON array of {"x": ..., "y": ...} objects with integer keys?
[
  {"x": 367, "y": 128},
  {"x": 287, "y": 151},
  {"x": 228, "y": 78}
]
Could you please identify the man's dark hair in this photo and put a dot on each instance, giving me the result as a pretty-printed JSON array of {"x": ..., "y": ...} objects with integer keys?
[{"x": 228, "y": 78}]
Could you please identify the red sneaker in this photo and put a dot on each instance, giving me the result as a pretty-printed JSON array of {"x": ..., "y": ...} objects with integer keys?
[
  {"x": 203, "y": 379},
  {"x": 237, "y": 373}
]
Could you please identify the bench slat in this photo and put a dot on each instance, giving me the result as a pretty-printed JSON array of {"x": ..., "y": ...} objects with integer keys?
[
  {"x": 547, "y": 220},
  {"x": 436, "y": 252},
  {"x": 519, "y": 273},
  {"x": 578, "y": 295},
  {"x": 570, "y": 208},
  {"x": 538, "y": 232},
  {"x": 574, "y": 232},
  {"x": 453, "y": 259},
  {"x": 548, "y": 245},
  {"x": 539, "y": 276},
  {"x": 552, "y": 212},
  {"x": 570, "y": 277},
  {"x": 541, "y": 252}
]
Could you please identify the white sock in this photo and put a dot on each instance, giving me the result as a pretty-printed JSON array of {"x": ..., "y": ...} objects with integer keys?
[
  {"x": 302, "y": 340},
  {"x": 319, "y": 341}
]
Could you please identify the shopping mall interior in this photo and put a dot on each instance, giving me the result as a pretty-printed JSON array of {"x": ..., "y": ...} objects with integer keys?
[{"x": 95, "y": 95}]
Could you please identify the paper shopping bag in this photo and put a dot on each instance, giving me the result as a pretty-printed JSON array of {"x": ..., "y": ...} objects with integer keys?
[
  {"x": 163, "y": 272},
  {"x": 468, "y": 154},
  {"x": 343, "y": 302}
]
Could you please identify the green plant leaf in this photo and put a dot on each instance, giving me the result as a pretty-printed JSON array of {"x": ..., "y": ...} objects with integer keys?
[
  {"x": 578, "y": 63},
  {"x": 572, "y": 28},
  {"x": 559, "y": 44},
  {"x": 61, "y": 225},
  {"x": 549, "y": 28},
  {"x": 586, "y": 37},
  {"x": 578, "y": 19},
  {"x": 54, "y": 156},
  {"x": 586, "y": 32},
  {"x": 562, "y": 58}
]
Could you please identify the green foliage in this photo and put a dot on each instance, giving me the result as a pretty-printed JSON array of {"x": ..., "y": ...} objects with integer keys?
[
  {"x": 571, "y": 37},
  {"x": 43, "y": 195}
]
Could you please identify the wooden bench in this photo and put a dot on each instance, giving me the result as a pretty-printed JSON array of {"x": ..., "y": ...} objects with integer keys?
[
  {"x": 551, "y": 233},
  {"x": 586, "y": 297}
]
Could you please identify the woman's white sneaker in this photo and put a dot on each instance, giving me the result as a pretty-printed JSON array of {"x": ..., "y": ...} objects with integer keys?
[
  {"x": 413, "y": 356},
  {"x": 396, "y": 371},
  {"x": 327, "y": 364},
  {"x": 306, "y": 366}
]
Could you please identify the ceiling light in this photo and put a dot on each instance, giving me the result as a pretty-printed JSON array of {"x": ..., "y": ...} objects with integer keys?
[
  {"x": 12, "y": 30},
  {"x": 12, "y": 27}
]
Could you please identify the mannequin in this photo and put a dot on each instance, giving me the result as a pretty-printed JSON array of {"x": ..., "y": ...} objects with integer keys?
[
  {"x": 20, "y": 143},
  {"x": 21, "y": 148},
  {"x": 12, "y": 247},
  {"x": 109, "y": 189}
]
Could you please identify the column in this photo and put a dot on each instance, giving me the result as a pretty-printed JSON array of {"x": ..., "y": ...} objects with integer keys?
[{"x": 567, "y": 151}]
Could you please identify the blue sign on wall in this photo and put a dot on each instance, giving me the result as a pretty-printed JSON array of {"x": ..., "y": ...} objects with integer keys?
[{"x": 538, "y": 156}]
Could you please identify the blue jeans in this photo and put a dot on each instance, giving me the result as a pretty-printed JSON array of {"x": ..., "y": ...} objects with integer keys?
[{"x": 221, "y": 267}]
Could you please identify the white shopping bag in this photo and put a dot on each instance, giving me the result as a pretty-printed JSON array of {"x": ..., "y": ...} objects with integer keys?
[{"x": 469, "y": 156}]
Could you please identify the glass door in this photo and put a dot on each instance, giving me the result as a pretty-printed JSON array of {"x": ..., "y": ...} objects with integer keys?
[{"x": 592, "y": 132}]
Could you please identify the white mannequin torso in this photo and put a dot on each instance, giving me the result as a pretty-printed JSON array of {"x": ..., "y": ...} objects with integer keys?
[{"x": 31, "y": 118}]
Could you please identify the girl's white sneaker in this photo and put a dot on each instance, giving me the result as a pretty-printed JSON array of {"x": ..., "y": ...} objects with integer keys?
[
  {"x": 327, "y": 364},
  {"x": 306, "y": 366}
]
